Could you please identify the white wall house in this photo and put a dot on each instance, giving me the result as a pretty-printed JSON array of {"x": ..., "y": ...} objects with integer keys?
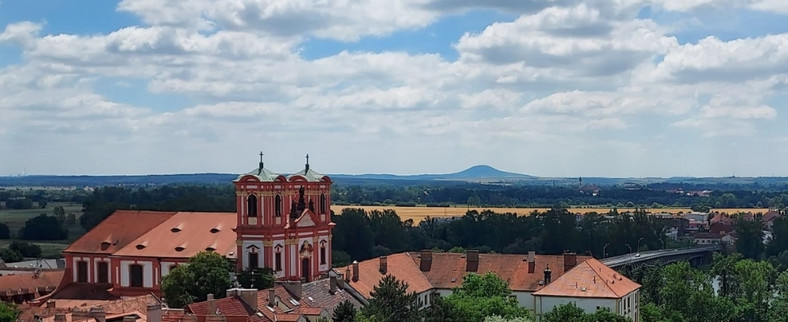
[{"x": 590, "y": 286}]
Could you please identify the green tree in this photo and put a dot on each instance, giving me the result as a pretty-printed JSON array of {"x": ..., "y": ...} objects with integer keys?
[
  {"x": 206, "y": 273},
  {"x": 687, "y": 295},
  {"x": 779, "y": 241},
  {"x": 43, "y": 227},
  {"x": 5, "y": 233},
  {"x": 8, "y": 312},
  {"x": 779, "y": 309},
  {"x": 344, "y": 312},
  {"x": 606, "y": 315},
  {"x": 353, "y": 234},
  {"x": 723, "y": 267},
  {"x": 390, "y": 301},
  {"x": 25, "y": 248},
  {"x": 60, "y": 214},
  {"x": 485, "y": 295},
  {"x": 565, "y": 313},
  {"x": 258, "y": 278},
  {"x": 752, "y": 289},
  {"x": 750, "y": 237},
  {"x": 9, "y": 255}
]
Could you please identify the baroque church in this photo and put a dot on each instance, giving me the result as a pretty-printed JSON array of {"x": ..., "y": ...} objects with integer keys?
[{"x": 282, "y": 222}]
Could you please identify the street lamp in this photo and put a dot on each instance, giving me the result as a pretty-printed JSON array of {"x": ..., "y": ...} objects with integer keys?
[
  {"x": 604, "y": 252},
  {"x": 663, "y": 243},
  {"x": 641, "y": 238},
  {"x": 630, "y": 248}
]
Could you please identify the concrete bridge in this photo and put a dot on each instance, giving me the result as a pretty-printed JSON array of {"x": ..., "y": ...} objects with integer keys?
[{"x": 694, "y": 255}]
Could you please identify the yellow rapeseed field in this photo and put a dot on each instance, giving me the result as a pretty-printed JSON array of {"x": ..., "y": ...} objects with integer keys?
[{"x": 419, "y": 213}]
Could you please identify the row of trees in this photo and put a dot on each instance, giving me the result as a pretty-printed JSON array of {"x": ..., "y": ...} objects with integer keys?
[
  {"x": 362, "y": 235},
  {"x": 17, "y": 250},
  {"x": 747, "y": 290}
]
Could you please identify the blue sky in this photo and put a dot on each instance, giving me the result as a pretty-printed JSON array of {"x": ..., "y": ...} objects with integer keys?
[{"x": 580, "y": 88}]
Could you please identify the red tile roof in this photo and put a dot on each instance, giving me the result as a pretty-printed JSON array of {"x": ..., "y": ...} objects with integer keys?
[
  {"x": 185, "y": 234},
  {"x": 448, "y": 269},
  {"x": 228, "y": 306},
  {"x": 117, "y": 230},
  {"x": 33, "y": 284},
  {"x": 770, "y": 216},
  {"x": 590, "y": 278},
  {"x": 401, "y": 265}
]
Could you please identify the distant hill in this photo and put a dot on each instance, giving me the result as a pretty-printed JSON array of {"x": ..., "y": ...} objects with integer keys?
[{"x": 474, "y": 173}]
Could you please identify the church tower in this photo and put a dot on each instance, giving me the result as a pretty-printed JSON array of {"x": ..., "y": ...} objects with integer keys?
[{"x": 284, "y": 222}]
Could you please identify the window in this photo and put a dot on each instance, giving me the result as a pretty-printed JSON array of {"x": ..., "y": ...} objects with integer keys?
[
  {"x": 323, "y": 252},
  {"x": 135, "y": 272},
  {"x": 251, "y": 204},
  {"x": 253, "y": 261},
  {"x": 103, "y": 272},
  {"x": 278, "y": 258},
  {"x": 323, "y": 203},
  {"x": 278, "y": 205},
  {"x": 82, "y": 272}
]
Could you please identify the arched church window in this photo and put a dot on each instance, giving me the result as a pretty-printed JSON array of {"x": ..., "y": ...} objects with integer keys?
[
  {"x": 322, "y": 203},
  {"x": 323, "y": 252},
  {"x": 278, "y": 205},
  {"x": 278, "y": 258},
  {"x": 251, "y": 205}
]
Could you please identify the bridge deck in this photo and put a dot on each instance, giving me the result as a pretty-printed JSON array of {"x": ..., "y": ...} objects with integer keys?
[{"x": 633, "y": 258}]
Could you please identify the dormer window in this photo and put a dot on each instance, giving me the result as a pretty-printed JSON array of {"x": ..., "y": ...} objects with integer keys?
[
  {"x": 105, "y": 245},
  {"x": 209, "y": 249},
  {"x": 215, "y": 230},
  {"x": 175, "y": 229},
  {"x": 142, "y": 245},
  {"x": 251, "y": 204},
  {"x": 179, "y": 248}
]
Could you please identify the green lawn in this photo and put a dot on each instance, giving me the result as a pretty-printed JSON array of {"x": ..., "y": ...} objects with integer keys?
[{"x": 15, "y": 219}]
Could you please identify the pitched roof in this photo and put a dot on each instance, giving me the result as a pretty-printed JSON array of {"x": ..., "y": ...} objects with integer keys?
[
  {"x": 448, "y": 269},
  {"x": 185, "y": 234},
  {"x": 771, "y": 215},
  {"x": 117, "y": 230},
  {"x": 261, "y": 173},
  {"x": 34, "y": 284},
  {"x": 308, "y": 174},
  {"x": 228, "y": 306},
  {"x": 590, "y": 278},
  {"x": 317, "y": 294},
  {"x": 402, "y": 266}
]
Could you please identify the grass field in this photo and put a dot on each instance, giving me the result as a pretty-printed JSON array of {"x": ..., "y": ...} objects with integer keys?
[
  {"x": 15, "y": 219},
  {"x": 419, "y": 213}
]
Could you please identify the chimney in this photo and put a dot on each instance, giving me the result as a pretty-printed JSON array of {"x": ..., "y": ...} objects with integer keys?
[
  {"x": 249, "y": 296},
  {"x": 154, "y": 313},
  {"x": 547, "y": 274},
  {"x": 98, "y": 314},
  {"x": 570, "y": 260},
  {"x": 531, "y": 262},
  {"x": 472, "y": 261},
  {"x": 332, "y": 285},
  {"x": 231, "y": 292},
  {"x": 425, "y": 263},
  {"x": 341, "y": 282},
  {"x": 50, "y": 304},
  {"x": 355, "y": 271},
  {"x": 211, "y": 305},
  {"x": 347, "y": 274},
  {"x": 271, "y": 297},
  {"x": 383, "y": 265},
  {"x": 60, "y": 317},
  {"x": 294, "y": 288}
]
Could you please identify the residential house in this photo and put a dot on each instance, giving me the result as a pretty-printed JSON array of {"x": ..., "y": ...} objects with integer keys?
[{"x": 590, "y": 286}]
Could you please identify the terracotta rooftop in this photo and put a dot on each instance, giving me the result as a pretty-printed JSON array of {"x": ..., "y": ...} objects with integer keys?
[
  {"x": 29, "y": 285},
  {"x": 84, "y": 291},
  {"x": 448, "y": 269},
  {"x": 590, "y": 278},
  {"x": 401, "y": 265},
  {"x": 185, "y": 234},
  {"x": 117, "y": 230},
  {"x": 771, "y": 215},
  {"x": 228, "y": 306}
]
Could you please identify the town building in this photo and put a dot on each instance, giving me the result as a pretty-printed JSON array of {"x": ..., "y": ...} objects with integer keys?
[
  {"x": 590, "y": 286},
  {"x": 431, "y": 274},
  {"x": 281, "y": 222}
]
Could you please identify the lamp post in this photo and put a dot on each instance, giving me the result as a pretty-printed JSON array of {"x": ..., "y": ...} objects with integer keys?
[
  {"x": 639, "y": 239},
  {"x": 604, "y": 252},
  {"x": 630, "y": 248},
  {"x": 663, "y": 243}
]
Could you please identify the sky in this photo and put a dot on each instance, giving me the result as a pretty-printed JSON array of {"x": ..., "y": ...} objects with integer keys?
[{"x": 616, "y": 88}]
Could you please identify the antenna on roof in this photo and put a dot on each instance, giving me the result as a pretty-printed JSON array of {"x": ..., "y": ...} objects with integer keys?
[{"x": 307, "y": 162}]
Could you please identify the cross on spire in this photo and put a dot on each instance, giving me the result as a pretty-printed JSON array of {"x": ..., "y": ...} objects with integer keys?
[
  {"x": 307, "y": 161},
  {"x": 261, "y": 161}
]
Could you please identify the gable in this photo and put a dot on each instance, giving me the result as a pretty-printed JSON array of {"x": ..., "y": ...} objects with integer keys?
[{"x": 305, "y": 220}]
